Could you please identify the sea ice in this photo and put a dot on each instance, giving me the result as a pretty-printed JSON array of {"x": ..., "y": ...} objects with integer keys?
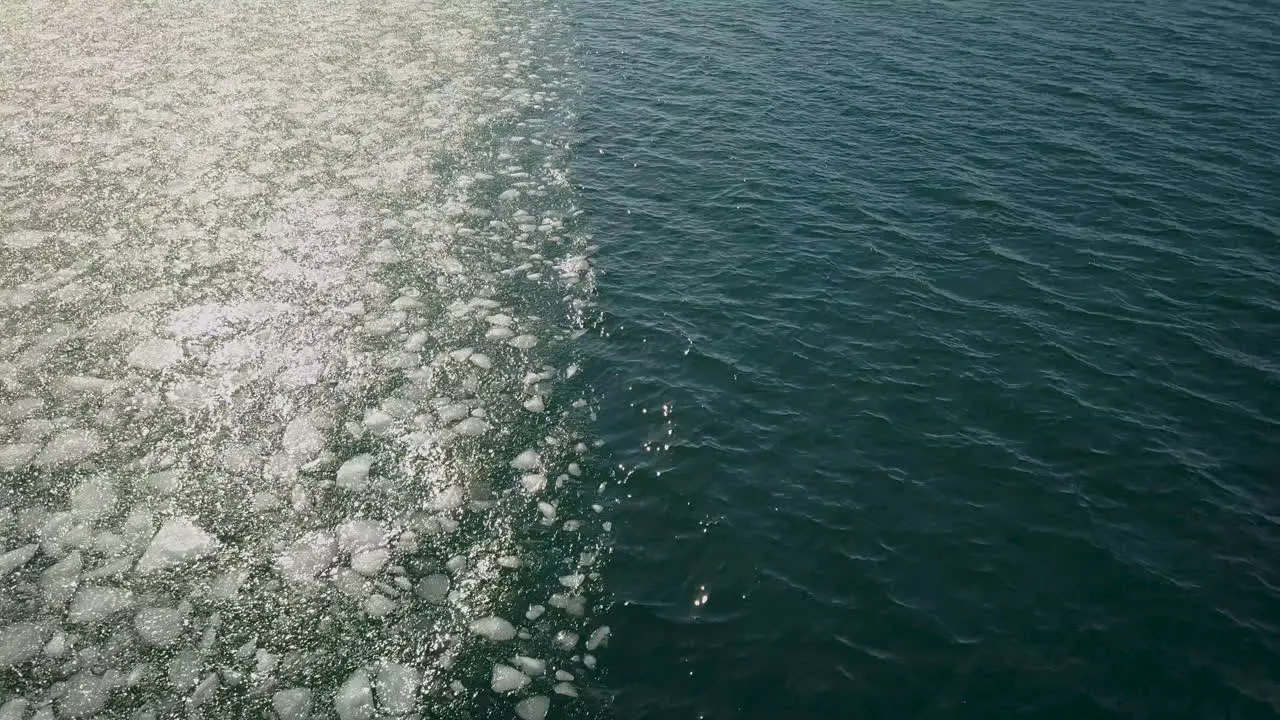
[
  {"x": 94, "y": 603},
  {"x": 303, "y": 437},
  {"x": 433, "y": 588},
  {"x": 396, "y": 686},
  {"x": 507, "y": 679},
  {"x": 370, "y": 562},
  {"x": 494, "y": 628},
  {"x": 532, "y": 667},
  {"x": 294, "y": 704},
  {"x": 377, "y": 606},
  {"x": 59, "y": 581},
  {"x": 178, "y": 541},
  {"x": 523, "y": 342},
  {"x": 21, "y": 641},
  {"x": 16, "y": 558},
  {"x": 598, "y": 638},
  {"x": 527, "y": 461},
  {"x": 534, "y": 484},
  {"x": 354, "y": 700},
  {"x": 87, "y": 694},
  {"x": 16, "y": 455},
  {"x": 70, "y": 446},
  {"x": 471, "y": 427},
  {"x": 307, "y": 557},
  {"x": 533, "y": 708},
  {"x": 354, "y": 473},
  {"x": 535, "y": 404},
  {"x": 159, "y": 626},
  {"x": 155, "y": 354},
  {"x": 355, "y": 536}
]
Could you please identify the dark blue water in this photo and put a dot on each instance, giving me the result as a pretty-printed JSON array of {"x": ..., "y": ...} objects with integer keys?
[{"x": 940, "y": 356}]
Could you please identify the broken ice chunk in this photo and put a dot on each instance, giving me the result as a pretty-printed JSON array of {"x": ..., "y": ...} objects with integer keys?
[
  {"x": 294, "y": 704},
  {"x": 494, "y": 628},
  {"x": 507, "y": 679},
  {"x": 533, "y": 708},
  {"x": 306, "y": 558},
  {"x": 354, "y": 473},
  {"x": 94, "y": 603},
  {"x": 396, "y": 685},
  {"x": 354, "y": 700},
  {"x": 178, "y": 541},
  {"x": 21, "y": 641}
]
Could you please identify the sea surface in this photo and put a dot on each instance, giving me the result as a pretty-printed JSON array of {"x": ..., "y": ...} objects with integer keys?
[
  {"x": 941, "y": 355},
  {"x": 653, "y": 360}
]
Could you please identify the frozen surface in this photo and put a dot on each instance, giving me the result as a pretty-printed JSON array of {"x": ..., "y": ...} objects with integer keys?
[{"x": 284, "y": 291}]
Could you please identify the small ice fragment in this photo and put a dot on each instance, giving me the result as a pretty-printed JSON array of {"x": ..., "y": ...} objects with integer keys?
[
  {"x": 355, "y": 536},
  {"x": 354, "y": 473},
  {"x": 94, "y": 603},
  {"x": 377, "y": 606},
  {"x": 452, "y": 412},
  {"x": 547, "y": 509},
  {"x": 178, "y": 541},
  {"x": 494, "y": 628},
  {"x": 566, "y": 689},
  {"x": 566, "y": 640},
  {"x": 527, "y": 461},
  {"x": 377, "y": 420},
  {"x": 481, "y": 361},
  {"x": 433, "y": 588},
  {"x": 535, "y": 404},
  {"x": 571, "y": 371},
  {"x": 500, "y": 320},
  {"x": 86, "y": 694},
  {"x": 59, "y": 581},
  {"x": 471, "y": 427},
  {"x": 396, "y": 686},
  {"x": 70, "y": 446},
  {"x": 21, "y": 641},
  {"x": 354, "y": 700},
  {"x": 94, "y": 498},
  {"x": 507, "y": 679},
  {"x": 499, "y": 333},
  {"x": 58, "y": 646},
  {"x": 534, "y": 484},
  {"x": 598, "y": 638},
  {"x": 307, "y": 557},
  {"x": 15, "y": 709},
  {"x": 204, "y": 691},
  {"x": 532, "y": 667},
  {"x": 159, "y": 626},
  {"x": 534, "y": 612},
  {"x": 294, "y": 704},
  {"x": 302, "y": 437},
  {"x": 16, "y": 455},
  {"x": 15, "y": 559},
  {"x": 564, "y": 676},
  {"x": 155, "y": 354},
  {"x": 523, "y": 342},
  {"x": 533, "y": 708},
  {"x": 509, "y": 561},
  {"x": 572, "y": 581},
  {"x": 589, "y": 660},
  {"x": 370, "y": 562},
  {"x": 575, "y": 469}
]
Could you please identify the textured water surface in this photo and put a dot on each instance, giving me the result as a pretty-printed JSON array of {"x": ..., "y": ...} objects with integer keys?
[{"x": 944, "y": 340}]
